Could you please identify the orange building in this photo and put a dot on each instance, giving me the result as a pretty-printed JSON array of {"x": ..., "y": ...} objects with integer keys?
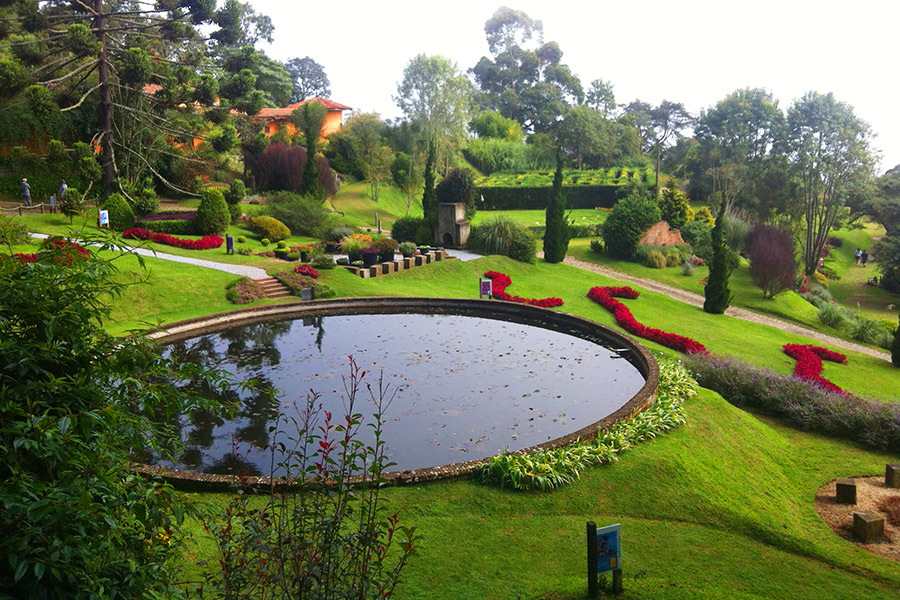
[{"x": 277, "y": 117}]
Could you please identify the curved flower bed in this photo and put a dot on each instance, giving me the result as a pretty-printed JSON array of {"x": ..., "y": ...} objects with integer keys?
[
  {"x": 502, "y": 281},
  {"x": 809, "y": 363},
  {"x": 205, "y": 243},
  {"x": 606, "y": 297},
  {"x": 64, "y": 252}
]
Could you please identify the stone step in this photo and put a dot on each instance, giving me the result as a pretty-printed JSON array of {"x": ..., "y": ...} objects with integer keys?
[{"x": 274, "y": 288}]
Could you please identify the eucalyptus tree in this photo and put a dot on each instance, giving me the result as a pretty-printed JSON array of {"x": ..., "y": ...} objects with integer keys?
[
  {"x": 830, "y": 152},
  {"x": 308, "y": 78},
  {"x": 659, "y": 126}
]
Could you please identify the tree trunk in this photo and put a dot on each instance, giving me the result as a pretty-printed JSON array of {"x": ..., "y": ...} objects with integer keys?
[{"x": 107, "y": 159}]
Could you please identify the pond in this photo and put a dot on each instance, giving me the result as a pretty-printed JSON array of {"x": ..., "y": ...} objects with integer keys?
[{"x": 463, "y": 387}]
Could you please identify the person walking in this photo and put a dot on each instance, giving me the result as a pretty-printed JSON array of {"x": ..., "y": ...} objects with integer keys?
[
  {"x": 865, "y": 257},
  {"x": 26, "y": 192},
  {"x": 858, "y": 256},
  {"x": 61, "y": 194}
]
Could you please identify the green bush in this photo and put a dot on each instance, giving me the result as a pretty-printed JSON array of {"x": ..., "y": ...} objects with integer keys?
[
  {"x": 142, "y": 198},
  {"x": 672, "y": 256},
  {"x": 336, "y": 234},
  {"x": 698, "y": 234},
  {"x": 213, "y": 217},
  {"x": 407, "y": 248},
  {"x": 411, "y": 229},
  {"x": 172, "y": 227},
  {"x": 459, "y": 187},
  {"x": 12, "y": 231},
  {"x": 674, "y": 207},
  {"x": 241, "y": 239},
  {"x": 121, "y": 217},
  {"x": 303, "y": 215},
  {"x": 322, "y": 262},
  {"x": 627, "y": 222},
  {"x": 490, "y": 155},
  {"x": 597, "y": 246},
  {"x": 264, "y": 242},
  {"x": 655, "y": 260},
  {"x": 503, "y": 236},
  {"x": 270, "y": 228}
]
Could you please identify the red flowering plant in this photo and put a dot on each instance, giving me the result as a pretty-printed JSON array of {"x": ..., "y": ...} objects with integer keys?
[
  {"x": 606, "y": 297},
  {"x": 502, "y": 281},
  {"x": 60, "y": 250},
  {"x": 207, "y": 242},
  {"x": 809, "y": 363},
  {"x": 306, "y": 270}
]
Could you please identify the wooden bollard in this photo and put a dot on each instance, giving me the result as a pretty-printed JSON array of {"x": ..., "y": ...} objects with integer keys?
[
  {"x": 868, "y": 527},
  {"x": 892, "y": 476},
  {"x": 845, "y": 491}
]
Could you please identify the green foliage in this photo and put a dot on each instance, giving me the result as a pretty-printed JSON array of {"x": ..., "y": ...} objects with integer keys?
[
  {"x": 322, "y": 262},
  {"x": 703, "y": 214},
  {"x": 698, "y": 233},
  {"x": 503, "y": 236},
  {"x": 12, "y": 231},
  {"x": 135, "y": 66},
  {"x": 213, "y": 216},
  {"x": 236, "y": 192},
  {"x": 13, "y": 78},
  {"x": 459, "y": 187},
  {"x": 429, "y": 195},
  {"x": 674, "y": 207},
  {"x": 224, "y": 138},
  {"x": 490, "y": 155},
  {"x": 269, "y": 228},
  {"x": 78, "y": 522},
  {"x": 545, "y": 470},
  {"x": 309, "y": 119},
  {"x": 174, "y": 227},
  {"x": 490, "y": 124},
  {"x": 895, "y": 348},
  {"x": 303, "y": 215},
  {"x": 121, "y": 216},
  {"x": 659, "y": 257},
  {"x": 407, "y": 248},
  {"x": 557, "y": 233},
  {"x": 717, "y": 295},
  {"x": 627, "y": 222},
  {"x": 142, "y": 198},
  {"x": 833, "y": 315}
]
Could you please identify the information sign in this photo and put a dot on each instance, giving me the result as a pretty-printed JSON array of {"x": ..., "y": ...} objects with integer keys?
[
  {"x": 609, "y": 548},
  {"x": 104, "y": 218},
  {"x": 485, "y": 288}
]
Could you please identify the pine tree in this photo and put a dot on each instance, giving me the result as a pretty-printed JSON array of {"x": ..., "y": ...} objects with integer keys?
[
  {"x": 556, "y": 233},
  {"x": 718, "y": 296}
]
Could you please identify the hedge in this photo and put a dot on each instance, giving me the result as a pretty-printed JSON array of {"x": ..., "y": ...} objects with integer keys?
[
  {"x": 537, "y": 198},
  {"x": 171, "y": 226}
]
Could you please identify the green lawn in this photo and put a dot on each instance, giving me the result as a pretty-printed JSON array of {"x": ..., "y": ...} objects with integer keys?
[
  {"x": 534, "y": 218},
  {"x": 355, "y": 202}
]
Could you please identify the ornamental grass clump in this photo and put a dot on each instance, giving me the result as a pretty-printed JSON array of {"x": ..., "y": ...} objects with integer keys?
[
  {"x": 803, "y": 404},
  {"x": 548, "y": 469}
]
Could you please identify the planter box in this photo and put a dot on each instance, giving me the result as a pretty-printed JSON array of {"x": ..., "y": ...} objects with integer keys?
[
  {"x": 419, "y": 260},
  {"x": 408, "y": 262},
  {"x": 387, "y": 268},
  {"x": 374, "y": 271}
]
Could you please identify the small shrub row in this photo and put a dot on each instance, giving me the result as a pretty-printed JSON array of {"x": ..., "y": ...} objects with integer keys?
[
  {"x": 171, "y": 216},
  {"x": 205, "y": 243},
  {"x": 549, "y": 469},
  {"x": 659, "y": 257},
  {"x": 807, "y": 406},
  {"x": 576, "y": 230},
  {"x": 606, "y": 297},
  {"x": 502, "y": 281},
  {"x": 173, "y": 227}
]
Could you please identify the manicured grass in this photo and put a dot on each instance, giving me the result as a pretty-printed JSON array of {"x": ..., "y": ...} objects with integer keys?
[
  {"x": 534, "y": 218},
  {"x": 360, "y": 211},
  {"x": 719, "y": 508}
]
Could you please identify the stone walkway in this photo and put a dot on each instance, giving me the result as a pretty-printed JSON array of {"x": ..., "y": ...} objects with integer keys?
[{"x": 739, "y": 313}]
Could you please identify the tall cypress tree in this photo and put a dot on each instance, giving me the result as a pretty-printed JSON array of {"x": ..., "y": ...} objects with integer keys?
[
  {"x": 718, "y": 296},
  {"x": 556, "y": 233},
  {"x": 309, "y": 119},
  {"x": 429, "y": 196},
  {"x": 895, "y": 348}
]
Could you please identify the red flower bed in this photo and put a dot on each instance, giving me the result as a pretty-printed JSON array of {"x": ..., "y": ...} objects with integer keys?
[
  {"x": 502, "y": 281},
  {"x": 809, "y": 363},
  {"x": 205, "y": 243},
  {"x": 606, "y": 297},
  {"x": 306, "y": 270},
  {"x": 68, "y": 252}
]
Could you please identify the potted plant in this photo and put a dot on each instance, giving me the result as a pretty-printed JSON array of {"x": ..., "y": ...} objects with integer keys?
[
  {"x": 387, "y": 247},
  {"x": 281, "y": 250},
  {"x": 369, "y": 255},
  {"x": 351, "y": 247},
  {"x": 293, "y": 256},
  {"x": 407, "y": 249},
  {"x": 305, "y": 250}
]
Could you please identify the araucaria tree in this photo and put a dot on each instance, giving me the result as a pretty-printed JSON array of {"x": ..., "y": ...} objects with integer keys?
[
  {"x": 556, "y": 233},
  {"x": 773, "y": 264},
  {"x": 309, "y": 119},
  {"x": 829, "y": 149},
  {"x": 718, "y": 296}
]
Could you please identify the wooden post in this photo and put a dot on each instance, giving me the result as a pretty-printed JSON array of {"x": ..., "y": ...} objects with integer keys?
[
  {"x": 892, "y": 476},
  {"x": 618, "y": 588},
  {"x": 593, "y": 585},
  {"x": 845, "y": 491}
]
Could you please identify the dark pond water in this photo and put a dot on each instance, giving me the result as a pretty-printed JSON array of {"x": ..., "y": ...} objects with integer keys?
[{"x": 466, "y": 387}]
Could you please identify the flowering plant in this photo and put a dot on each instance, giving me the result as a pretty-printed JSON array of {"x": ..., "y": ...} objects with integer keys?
[
  {"x": 63, "y": 252},
  {"x": 501, "y": 281},
  {"x": 606, "y": 297},
  {"x": 205, "y": 243},
  {"x": 306, "y": 270},
  {"x": 809, "y": 363}
]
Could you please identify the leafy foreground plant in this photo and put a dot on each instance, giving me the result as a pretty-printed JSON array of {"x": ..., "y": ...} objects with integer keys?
[
  {"x": 332, "y": 539},
  {"x": 549, "y": 469}
]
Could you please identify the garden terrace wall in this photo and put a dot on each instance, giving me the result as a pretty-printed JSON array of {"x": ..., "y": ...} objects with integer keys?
[{"x": 638, "y": 355}]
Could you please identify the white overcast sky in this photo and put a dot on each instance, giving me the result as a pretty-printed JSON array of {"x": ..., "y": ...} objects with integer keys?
[{"x": 690, "y": 51}]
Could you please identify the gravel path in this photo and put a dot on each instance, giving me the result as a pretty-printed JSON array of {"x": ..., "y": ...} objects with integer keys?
[{"x": 740, "y": 313}]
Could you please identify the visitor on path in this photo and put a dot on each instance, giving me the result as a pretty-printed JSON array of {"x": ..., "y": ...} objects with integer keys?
[
  {"x": 858, "y": 256},
  {"x": 865, "y": 257},
  {"x": 26, "y": 192},
  {"x": 61, "y": 194}
]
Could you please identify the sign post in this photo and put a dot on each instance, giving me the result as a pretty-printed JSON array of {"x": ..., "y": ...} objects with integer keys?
[
  {"x": 103, "y": 218},
  {"x": 604, "y": 546},
  {"x": 485, "y": 288}
]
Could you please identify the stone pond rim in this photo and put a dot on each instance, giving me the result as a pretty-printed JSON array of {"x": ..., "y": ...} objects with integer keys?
[{"x": 637, "y": 354}]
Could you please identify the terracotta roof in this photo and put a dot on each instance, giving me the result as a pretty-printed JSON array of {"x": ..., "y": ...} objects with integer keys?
[{"x": 329, "y": 104}]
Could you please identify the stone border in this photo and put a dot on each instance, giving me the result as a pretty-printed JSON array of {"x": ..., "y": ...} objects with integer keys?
[{"x": 639, "y": 356}]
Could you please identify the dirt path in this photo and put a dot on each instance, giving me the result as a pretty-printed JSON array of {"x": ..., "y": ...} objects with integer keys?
[{"x": 740, "y": 313}]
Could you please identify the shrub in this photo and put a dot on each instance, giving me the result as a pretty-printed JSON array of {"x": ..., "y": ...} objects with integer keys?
[
  {"x": 213, "y": 217},
  {"x": 655, "y": 260},
  {"x": 459, "y": 187},
  {"x": 121, "y": 217},
  {"x": 244, "y": 291},
  {"x": 674, "y": 207},
  {"x": 687, "y": 269},
  {"x": 807, "y": 406},
  {"x": 412, "y": 229},
  {"x": 869, "y": 331},
  {"x": 245, "y": 251},
  {"x": 236, "y": 192},
  {"x": 241, "y": 239},
  {"x": 698, "y": 234},
  {"x": 704, "y": 215},
  {"x": 500, "y": 235},
  {"x": 773, "y": 261},
  {"x": 265, "y": 242},
  {"x": 672, "y": 256},
  {"x": 322, "y": 262},
  {"x": 832, "y": 315},
  {"x": 717, "y": 295},
  {"x": 558, "y": 232},
  {"x": 597, "y": 246},
  {"x": 270, "y": 228},
  {"x": 142, "y": 198},
  {"x": 303, "y": 215},
  {"x": 12, "y": 231},
  {"x": 627, "y": 222},
  {"x": 279, "y": 167},
  {"x": 281, "y": 245},
  {"x": 407, "y": 248},
  {"x": 306, "y": 270},
  {"x": 336, "y": 234}
]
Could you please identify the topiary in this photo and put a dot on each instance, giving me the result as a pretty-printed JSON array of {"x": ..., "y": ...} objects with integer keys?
[
  {"x": 121, "y": 217},
  {"x": 557, "y": 233},
  {"x": 212, "y": 217},
  {"x": 264, "y": 242},
  {"x": 241, "y": 239},
  {"x": 270, "y": 227}
]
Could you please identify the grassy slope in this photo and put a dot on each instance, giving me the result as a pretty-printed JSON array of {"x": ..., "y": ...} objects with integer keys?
[{"x": 359, "y": 210}]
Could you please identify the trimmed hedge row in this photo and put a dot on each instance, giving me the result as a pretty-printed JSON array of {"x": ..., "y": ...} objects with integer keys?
[
  {"x": 171, "y": 226},
  {"x": 537, "y": 198}
]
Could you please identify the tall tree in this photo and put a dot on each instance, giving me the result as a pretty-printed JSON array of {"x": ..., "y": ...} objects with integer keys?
[
  {"x": 660, "y": 126},
  {"x": 600, "y": 97},
  {"x": 429, "y": 194},
  {"x": 556, "y": 232},
  {"x": 829, "y": 149},
  {"x": 309, "y": 119},
  {"x": 309, "y": 79},
  {"x": 526, "y": 79},
  {"x": 584, "y": 132},
  {"x": 716, "y": 292},
  {"x": 436, "y": 95}
]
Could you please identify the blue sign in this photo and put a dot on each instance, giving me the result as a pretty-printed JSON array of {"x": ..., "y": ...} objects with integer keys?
[
  {"x": 486, "y": 287},
  {"x": 609, "y": 548},
  {"x": 104, "y": 218}
]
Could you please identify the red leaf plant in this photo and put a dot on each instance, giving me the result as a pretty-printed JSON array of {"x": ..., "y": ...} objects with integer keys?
[
  {"x": 501, "y": 281},
  {"x": 606, "y": 297},
  {"x": 207, "y": 242},
  {"x": 64, "y": 252},
  {"x": 306, "y": 270},
  {"x": 809, "y": 363}
]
